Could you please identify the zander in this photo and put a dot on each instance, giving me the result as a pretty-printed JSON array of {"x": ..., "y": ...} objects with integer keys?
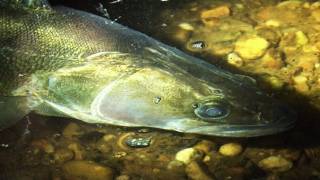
[{"x": 58, "y": 61}]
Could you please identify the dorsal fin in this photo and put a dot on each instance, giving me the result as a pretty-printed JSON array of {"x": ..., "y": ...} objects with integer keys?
[{"x": 34, "y": 4}]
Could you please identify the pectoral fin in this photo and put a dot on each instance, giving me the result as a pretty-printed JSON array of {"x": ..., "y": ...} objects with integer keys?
[{"x": 12, "y": 109}]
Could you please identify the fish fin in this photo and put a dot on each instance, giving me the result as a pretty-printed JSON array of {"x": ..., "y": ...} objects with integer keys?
[
  {"x": 26, "y": 3},
  {"x": 12, "y": 109}
]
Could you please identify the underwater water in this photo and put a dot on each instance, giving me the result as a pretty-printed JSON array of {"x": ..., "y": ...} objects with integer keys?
[{"x": 276, "y": 42}]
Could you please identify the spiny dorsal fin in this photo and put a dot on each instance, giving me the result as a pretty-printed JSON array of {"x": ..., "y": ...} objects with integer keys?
[{"x": 34, "y": 4}]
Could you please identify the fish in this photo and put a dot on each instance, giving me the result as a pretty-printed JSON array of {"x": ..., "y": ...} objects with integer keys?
[{"x": 62, "y": 62}]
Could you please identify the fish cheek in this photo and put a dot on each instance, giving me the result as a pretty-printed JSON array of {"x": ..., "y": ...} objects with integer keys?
[{"x": 146, "y": 97}]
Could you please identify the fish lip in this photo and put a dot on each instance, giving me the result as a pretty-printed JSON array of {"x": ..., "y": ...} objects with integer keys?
[{"x": 226, "y": 130}]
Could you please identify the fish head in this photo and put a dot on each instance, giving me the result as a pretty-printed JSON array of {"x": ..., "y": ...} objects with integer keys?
[
  {"x": 195, "y": 98},
  {"x": 151, "y": 91}
]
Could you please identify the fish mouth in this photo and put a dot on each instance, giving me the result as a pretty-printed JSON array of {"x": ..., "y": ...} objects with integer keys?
[{"x": 278, "y": 120}]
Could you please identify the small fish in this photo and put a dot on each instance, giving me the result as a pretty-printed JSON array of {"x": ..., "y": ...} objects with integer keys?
[{"x": 79, "y": 65}]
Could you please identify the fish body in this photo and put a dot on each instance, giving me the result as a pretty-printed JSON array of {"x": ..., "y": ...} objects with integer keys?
[{"x": 59, "y": 61}]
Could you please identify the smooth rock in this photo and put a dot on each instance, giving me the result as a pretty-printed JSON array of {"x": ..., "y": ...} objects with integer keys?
[
  {"x": 301, "y": 38},
  {"x": 62, "y": 155},
  {"x": 272, "y": 60},
  {"x": 72, "y": 130},
  {"x": 272, "y": 23},
  {"x": 274, "y": 82},
  {"x": 211, "y": 17},
  {"x": 88, "y": 170},
  {"x": 187, "y": 155},
  {"x": 316, "y": 15},
  {"x": 307, "y": 61},
  {"x": 205, "y": 146},
  {"x": 215, "y": 12},
  {"x": 195, "y": 172},
  {"x": 103, "y": 146},
  {"x": 230, "y": 149},
  {"x": 251, "y": 47},
  {"x": 78, "y": 150},
  {"x": 175, "y": 165},
  {"x": 123, "y": 177},
  {"x": 235, "y": 60},
  {"x": 301, "y": 83},
  {"x": 186, "y": 26},
  {"x": 275, "y": 164},
  {"x": 43, "y": 145},
  {"x": 109, "y": 137}
]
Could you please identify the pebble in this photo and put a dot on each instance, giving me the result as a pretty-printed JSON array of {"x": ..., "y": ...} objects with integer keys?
[
  {"x": 210, "y": 17},
  {"x": 272, "y": 23},
  {"x": 272, "y": 60},
  {"x": 301, "y": 38},
  {"x": 103, "y": 146},
  {"x": 307, "y": 61},
  {"x": 109, "y": 137},
  {"x": 230, "y": 149},
  {"x": 275, "y": 164},
  {"x": 251, "y": 47},
  {"x": 72, "y": 130},
  {"x": 123, "y": 177},
  {"x": 301, "y": 83},
  {"x": 316, "y": 14},
  {"x": 187, "y": 155},
  {"x": 216, "y": 12},
  {"x": 86, "y": 169},
  {"x": 274, "y": 82},
  {"x": 78, "y": 150},
  {"x": 175, "y": 165},
  {"x": 234, "y": 59},
  {"x": 62, "y": 155},
  {"x": 205, "y": 146},
  {"x": 43, "y": 145},
  {"x": 195, "y": 172},
  {"x": 186, "y": 26}
]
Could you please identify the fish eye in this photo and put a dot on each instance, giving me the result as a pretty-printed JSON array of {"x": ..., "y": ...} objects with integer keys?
[{"x": 212, "y": 111}]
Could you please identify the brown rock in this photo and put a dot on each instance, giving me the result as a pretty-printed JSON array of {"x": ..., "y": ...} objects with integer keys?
[
  {"x": 78, "y": 150},
  {"x": 272, "y": 60},
  {"x": 205, "y": 146},
  {"x": 301, "y": 83},
  {"x": 86, "y": 170},
  {"x": 72, "y": 130},
  {"x": 211, "y": 17},
  {"x": 103, "y": 146},
  {"x": 275, "y": 164},
  {"x": 43, "y": 145},
  {"x": 307, "y": 61},
  {"x": 195, "y": 172},
  {"x": 216, "y": 12},
  {"x": 230, "y": 149},
  {"x": 62, "y": 155}
]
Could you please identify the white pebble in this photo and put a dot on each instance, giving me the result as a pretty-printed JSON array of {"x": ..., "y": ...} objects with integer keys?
[{"x": 186, "y": 155}]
